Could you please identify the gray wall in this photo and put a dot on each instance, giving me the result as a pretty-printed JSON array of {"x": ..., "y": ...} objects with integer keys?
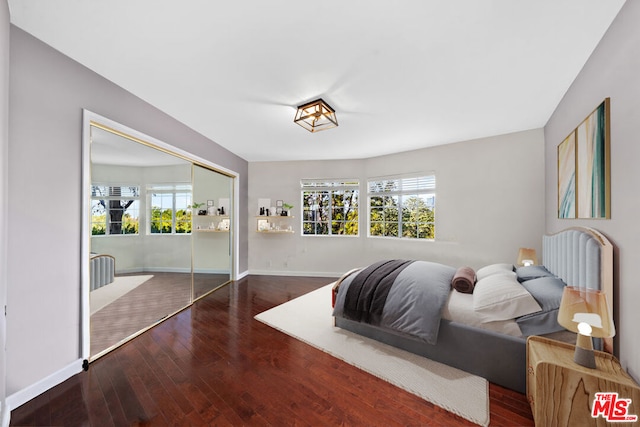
[
  {"x": 489, "y": 202},
  {"x": 47, "y": 94},
  {"x": 4, "y": 166},
  {"x": 612, "y": 71}
]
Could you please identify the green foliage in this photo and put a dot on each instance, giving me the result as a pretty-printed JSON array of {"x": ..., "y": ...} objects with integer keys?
[
  {"x": 417, "y": 217},
  {"x": 129, "y": 225},
  {"x": 162, "y": 221},
  {"x": 183, "y": 221},
  {"x": 330, "y": 212}
]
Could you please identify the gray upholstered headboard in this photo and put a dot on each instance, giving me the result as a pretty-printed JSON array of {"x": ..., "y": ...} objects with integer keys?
[{"x": 581, "y": 257}]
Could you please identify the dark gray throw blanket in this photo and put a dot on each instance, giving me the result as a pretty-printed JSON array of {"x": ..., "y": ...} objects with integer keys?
[
  {"x": 368, "y": 291},
  {"x": 412, "y": 304}
]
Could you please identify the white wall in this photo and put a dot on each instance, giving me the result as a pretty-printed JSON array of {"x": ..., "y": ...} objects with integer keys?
[
  {"x": 48, "y": 92},
  {"x": 489, "y": 202},
  {"x": 613, "y": 70},
  {"x": 144, "y": 252},
  {"x": 4, "y": 166}
]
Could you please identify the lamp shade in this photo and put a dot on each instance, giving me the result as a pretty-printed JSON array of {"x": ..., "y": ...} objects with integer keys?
[
  {"x": 527, "y": 256},
  {"x": 580, "y": 306},
  {"x": 316, "y": 115}
]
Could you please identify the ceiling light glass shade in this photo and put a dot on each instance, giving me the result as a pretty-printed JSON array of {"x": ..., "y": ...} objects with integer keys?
[{"x": 316, "y": 115}]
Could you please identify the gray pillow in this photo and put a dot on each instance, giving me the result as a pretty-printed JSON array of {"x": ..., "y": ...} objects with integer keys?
[
  {"x": 531, "y": 272},
  {"x": 547, "y": 291}
]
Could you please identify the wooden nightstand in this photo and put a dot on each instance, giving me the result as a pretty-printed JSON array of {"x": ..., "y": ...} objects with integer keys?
[{"x": 561, "y": 392}]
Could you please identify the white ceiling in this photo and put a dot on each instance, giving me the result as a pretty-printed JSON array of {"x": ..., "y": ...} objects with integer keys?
[{"x": 401, "y": 75}]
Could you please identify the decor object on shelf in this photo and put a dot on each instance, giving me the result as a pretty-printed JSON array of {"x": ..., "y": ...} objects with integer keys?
[
  {"x": 195, "y": 207},
  {"x": 526, "y": 257},
  {"x": 316, "y": 115},
  {"x": 263, "y": 225},
  {"x": 586, "y": 312},
  {"x": 584, "y": 168},
  {"x": 287, "y": 207}
]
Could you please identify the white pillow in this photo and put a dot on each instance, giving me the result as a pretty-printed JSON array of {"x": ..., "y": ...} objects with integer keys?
[
  {"x": 492, "y": 269},
  {"x": 502, "y": 297}
]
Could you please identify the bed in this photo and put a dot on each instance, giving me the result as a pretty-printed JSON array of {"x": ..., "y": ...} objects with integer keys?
[
  {"x": 102, "y": 269},
  {"x": 491, "y": 345}
]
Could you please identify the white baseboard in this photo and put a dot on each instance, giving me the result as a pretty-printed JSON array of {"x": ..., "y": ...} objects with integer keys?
[
  {"x": 297, "y": 273},
  {"x": 242, "y": 275},
  {"x": 23, "y": 396},
  {"x": 5, "y": 414}
]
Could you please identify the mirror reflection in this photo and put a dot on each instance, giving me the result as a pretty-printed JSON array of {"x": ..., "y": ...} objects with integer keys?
[
  {"x": 154, "y": 247},
  {"x": 211, "y": 234}
]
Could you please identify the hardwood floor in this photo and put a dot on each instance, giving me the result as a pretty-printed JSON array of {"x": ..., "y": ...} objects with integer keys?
[
  {"x": 161, "y": 295},
  {"x": 213, "y": 364}
]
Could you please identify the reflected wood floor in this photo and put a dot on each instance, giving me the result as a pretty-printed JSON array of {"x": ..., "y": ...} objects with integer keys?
[
  {"x": 160, "y": 296},
  {"x": 213, "y": 364}
]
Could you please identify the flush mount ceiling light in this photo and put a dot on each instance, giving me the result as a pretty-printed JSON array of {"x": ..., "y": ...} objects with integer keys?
[{"x": 316, "y": 115}]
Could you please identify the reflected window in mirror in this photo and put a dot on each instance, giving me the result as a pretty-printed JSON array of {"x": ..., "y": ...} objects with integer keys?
[
  {"x": 115, "y": 209},
  {"x": 169, "y": 209}
]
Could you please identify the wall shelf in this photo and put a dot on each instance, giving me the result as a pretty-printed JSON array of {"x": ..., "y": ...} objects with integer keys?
[
  {"x": 209, "y": 223},
  {"x": 274, "y": 224}
]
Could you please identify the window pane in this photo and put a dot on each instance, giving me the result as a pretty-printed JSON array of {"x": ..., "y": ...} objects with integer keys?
[
  {"x": 402, "y": 207},
  {"x": 98, "y": 217},
  {"x": 183, "y": 213},
  {"x": 131, "y": 218},
  {"x": 161, "y": 213},
  {"x": 114, "y": 209},
  {"x": 332, "y": 210}
]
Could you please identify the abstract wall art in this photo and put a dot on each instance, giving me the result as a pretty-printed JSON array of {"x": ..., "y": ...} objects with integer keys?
[{"x": 584, "y": 186}]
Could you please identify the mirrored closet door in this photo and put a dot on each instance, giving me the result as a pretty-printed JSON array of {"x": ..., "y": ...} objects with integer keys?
[
  {"x": 212, "y": 230},
  {"x": 160, "y": 228}
]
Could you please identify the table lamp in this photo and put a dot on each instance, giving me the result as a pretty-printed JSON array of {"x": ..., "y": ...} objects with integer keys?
[
  {"x": 527, "y": 256},
  {"x": 586, "y": 312}
]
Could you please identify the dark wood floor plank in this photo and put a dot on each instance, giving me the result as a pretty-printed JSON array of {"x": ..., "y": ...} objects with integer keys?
[{"x": 214, "y": 364}]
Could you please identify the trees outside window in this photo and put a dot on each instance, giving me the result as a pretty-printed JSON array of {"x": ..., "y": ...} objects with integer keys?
[
  {"x": 330, "y": 208},
  {"x": 115, "y": 209},
  {"x": 169, "y": 210},
  {"x": 402, "y": 207}
]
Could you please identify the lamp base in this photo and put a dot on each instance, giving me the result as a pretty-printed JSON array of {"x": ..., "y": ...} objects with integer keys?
[{"x": 583, "y": 355}]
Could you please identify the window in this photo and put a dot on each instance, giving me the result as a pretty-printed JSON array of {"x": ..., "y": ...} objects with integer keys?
[
  {"x": 169, "y": 209},
  {"x": 402, "y": 207},
  {"x": 330, "y": 207},
  {"x": 115, "y": 209}
]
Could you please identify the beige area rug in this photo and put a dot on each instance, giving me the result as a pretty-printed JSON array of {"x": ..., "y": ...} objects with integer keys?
[
  {"x": 102, "y": 297},
  {"x": 309, "y": 319}
]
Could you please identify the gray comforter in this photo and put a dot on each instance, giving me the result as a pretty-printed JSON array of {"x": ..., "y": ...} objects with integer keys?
[{"x": 414, "y": 302}]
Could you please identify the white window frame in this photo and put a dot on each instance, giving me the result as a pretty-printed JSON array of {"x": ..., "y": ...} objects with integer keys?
[
  {"x": 135, "y": 198},
  {"x": 173, "y": 190},
  {"x": 403, "y": 188},
  {"x": 330, "y": 186}
]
